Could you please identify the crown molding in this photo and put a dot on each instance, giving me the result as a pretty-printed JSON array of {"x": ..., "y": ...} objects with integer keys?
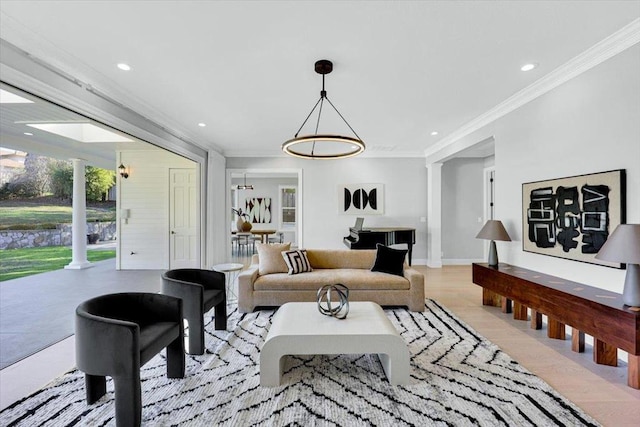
[{"x": 618, "y": 42}]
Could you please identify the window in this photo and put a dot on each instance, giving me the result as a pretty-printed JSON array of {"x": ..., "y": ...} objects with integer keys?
[{"x": 287, "y": 207}]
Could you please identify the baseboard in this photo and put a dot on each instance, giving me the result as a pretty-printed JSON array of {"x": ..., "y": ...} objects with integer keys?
[
  {"x": 419, "y": 261},
  {"x": 434, "y": 264},
  {"x": 462, "y": 261}
]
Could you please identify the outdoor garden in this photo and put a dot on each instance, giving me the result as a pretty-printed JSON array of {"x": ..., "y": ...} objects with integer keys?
[{"x": 38, "y": 198}]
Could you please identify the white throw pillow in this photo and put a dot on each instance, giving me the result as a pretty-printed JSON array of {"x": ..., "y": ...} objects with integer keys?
[
  {"x": 297, "y": 261},
  {"x": 269, "y": 258}
]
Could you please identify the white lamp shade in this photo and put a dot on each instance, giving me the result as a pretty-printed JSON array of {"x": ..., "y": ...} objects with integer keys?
[{"x": 623, "y": 245}]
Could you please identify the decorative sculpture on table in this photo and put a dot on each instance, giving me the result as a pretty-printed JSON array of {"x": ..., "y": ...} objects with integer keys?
[
  {"x": 242, "y": 223},
  {"x": 325, "y": 307}
]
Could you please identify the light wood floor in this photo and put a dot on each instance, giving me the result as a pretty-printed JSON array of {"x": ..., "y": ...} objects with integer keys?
[{"x": 601, "y": 391}]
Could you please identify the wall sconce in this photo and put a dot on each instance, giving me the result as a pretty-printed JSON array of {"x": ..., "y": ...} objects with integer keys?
[{"x": 123, "y": 171}]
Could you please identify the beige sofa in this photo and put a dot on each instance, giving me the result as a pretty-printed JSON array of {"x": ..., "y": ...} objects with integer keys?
[{"x": 349, "y": 267}]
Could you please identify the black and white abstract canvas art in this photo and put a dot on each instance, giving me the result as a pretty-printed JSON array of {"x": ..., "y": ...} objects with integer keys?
[
  {"x": 258, "y": 209},
  {"x": 572, "y": 217},
  {"x": 359, "y": 199}
]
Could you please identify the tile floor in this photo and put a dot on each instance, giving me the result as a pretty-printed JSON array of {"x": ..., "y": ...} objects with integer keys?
[{"x": 38, "y": 310}]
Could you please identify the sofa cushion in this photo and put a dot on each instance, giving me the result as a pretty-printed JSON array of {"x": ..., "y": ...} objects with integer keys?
[
  {"x": 332, "y": 258},
  {"x": 297, "y": 261},
  {"x": 389, "y": 260},
  {"x": 352, "y": 278},
  {"x": 270, "y": 257}
]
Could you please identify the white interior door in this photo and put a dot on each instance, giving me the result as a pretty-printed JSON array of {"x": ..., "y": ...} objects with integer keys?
[{"x": 184, "y": 248}]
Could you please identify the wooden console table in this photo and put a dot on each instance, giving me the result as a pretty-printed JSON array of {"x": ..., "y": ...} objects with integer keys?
[{"x": 586, "y": 309}]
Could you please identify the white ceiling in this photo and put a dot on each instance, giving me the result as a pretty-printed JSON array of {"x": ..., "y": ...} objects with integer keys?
[{"x": 401, "y": 69}]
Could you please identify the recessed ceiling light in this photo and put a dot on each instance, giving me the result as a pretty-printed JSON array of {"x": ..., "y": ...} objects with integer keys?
[
  {"x": 528, "y": 67},
  {"x": 28, "y": 133},
  {"x": 124, "y": 67},
  {"x": 434, "y": 133},
  {"x": 202, "y": 124}
]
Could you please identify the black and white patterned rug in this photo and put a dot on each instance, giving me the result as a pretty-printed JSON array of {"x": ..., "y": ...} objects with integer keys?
[{"x": 459, "y": 378}]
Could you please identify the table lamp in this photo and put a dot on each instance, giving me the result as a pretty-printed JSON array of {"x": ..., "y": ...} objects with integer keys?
[
  {"x": 623, "y": 245},
  {"x": 493, "y": 230}
]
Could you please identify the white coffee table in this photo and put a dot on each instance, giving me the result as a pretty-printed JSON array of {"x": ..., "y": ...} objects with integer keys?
[{"x": 299, "y": 328}]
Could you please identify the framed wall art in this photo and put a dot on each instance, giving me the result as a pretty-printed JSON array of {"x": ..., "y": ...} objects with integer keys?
[
  {"x": 258, "y": 209},
  {"x": 361, "y": 199},
  {"x": 572, "y": 217}
]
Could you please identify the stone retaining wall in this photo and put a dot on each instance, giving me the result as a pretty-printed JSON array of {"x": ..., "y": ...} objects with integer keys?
[{"x": 61, "y": 236}]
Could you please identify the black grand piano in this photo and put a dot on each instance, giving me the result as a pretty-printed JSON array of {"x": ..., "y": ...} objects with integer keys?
[{"x": 366, "y": 238}]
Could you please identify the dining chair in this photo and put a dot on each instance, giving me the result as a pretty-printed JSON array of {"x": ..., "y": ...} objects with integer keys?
[
  {"x": 244, "y": 242},
  {"x": 277, "y": 237},
  {"x": 234, "y": 243}
]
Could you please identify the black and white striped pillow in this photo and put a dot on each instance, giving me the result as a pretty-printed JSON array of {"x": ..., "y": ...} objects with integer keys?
[{"x": 297, "y": 261}]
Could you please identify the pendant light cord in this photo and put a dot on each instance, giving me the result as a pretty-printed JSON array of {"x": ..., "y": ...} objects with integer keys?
[
  {"x": 313, "y": 146},
  {"x": 305, "y": 120},
  {"x": 343, "y": 119},
  {"x": 323, "y": 96}
]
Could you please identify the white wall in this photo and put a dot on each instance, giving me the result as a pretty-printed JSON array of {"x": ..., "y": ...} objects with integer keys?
[
  {"x": 146, "y": 194},
  {"x": 404, "y": 187},
  {"x": 462, "y": 206},
  {"x": 588, "y": 124},
  {"x": 216, "y": 211}
]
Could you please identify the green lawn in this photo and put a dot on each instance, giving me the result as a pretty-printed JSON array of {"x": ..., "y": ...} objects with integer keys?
[
  {"x": 17, "y": 263},
  {"x": 49, "y": 214}
]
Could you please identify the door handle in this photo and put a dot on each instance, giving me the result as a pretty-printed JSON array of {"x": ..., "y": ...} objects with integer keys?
[{"x": 173, "y": 232}]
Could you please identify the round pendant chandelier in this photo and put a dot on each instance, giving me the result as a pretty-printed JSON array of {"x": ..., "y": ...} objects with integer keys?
[{"x": 323, "y": 146}]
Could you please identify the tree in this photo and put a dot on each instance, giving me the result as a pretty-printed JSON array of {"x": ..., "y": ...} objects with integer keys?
[
  {"x": 42, "y": 175},
  {"x": 34, "y": 180},
  {"x": 98, "y": 182},
  {"x": 61, "y": 173},
  {"x": 37, "y": 169}
]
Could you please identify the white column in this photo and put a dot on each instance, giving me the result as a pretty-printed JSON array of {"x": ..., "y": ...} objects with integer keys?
[
  {"x": 79, "y": 219},
  {"x": 434, "y": 215}
]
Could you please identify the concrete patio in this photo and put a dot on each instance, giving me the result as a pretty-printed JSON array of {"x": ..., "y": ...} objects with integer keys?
[{"x": 38, "y": 311}]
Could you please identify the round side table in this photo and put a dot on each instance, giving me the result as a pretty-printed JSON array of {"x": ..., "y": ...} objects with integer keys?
[{"x": 231, "y": 271}]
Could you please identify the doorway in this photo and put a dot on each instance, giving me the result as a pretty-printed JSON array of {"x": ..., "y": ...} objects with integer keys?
[
  {"x": 184, "y": 219},
  {"x": 285, "y": 222}
]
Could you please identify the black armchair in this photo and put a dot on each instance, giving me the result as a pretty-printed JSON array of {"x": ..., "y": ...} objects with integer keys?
[
  {"x": 200, "y": 290},
  {"x": 118, "y": 333}
]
